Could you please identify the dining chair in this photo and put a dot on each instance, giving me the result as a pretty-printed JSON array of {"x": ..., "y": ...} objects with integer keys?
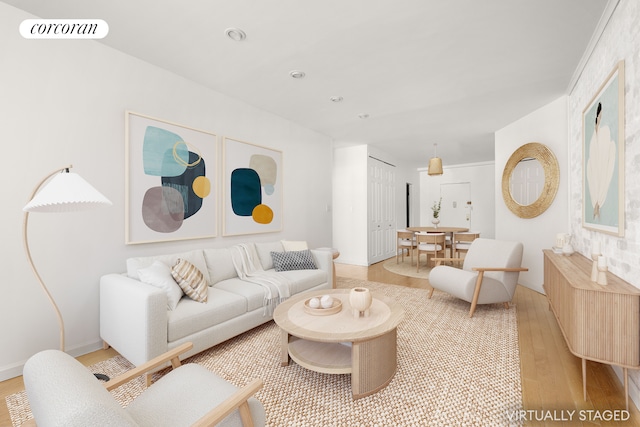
[
  {"x": 430, "y": 243},
  {"x": 406, "y": 242},
  {"x": 461, "y": 242}
]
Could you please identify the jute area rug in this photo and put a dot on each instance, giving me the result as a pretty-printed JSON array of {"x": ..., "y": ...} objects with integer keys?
[
  {"x": 406, "y": 268},
  {"x": 452, "y": 371}
]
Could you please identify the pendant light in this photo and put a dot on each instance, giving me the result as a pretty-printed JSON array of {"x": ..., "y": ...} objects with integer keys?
[{"x": 435, "y": 163}]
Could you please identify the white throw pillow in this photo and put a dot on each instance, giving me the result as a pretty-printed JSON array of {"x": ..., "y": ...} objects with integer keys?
[
  {"x": 159, "y": 275},
  {"x": 294, "y": 245}
]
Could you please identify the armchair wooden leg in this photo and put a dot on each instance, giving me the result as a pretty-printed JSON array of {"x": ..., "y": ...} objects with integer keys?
[
  {"x": 431, "y": 292},
  {"x": 476, "y": 293},
  {"x": 245, "y": 415},
  {"x": 506, "y": 305}
]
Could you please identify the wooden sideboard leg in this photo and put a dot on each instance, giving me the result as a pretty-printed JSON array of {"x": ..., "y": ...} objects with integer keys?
[
  {"x": 625, "y": 372},
  {"x": 584, "y": 379}
]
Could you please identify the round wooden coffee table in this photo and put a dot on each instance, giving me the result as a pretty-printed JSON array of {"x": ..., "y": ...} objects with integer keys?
[{"x": 339, "y": 343}]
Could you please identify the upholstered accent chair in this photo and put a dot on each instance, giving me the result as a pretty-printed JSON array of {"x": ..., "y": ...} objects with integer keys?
[
  {"x": 430, "y": 243},
  {"x": 489, "y": 273},
  {"x": 406, "y": 243},
  {"x": 461, "y": 242},
  {"x": 63, "y": 392}
]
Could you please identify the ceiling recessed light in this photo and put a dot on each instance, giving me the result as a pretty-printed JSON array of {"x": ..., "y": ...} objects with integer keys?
[
  {"x": 363, "y": 115},
  {"x": 336, "y": 98},
  {"x": 297, "y": 74},
  {"x": 235, "y": 34}
]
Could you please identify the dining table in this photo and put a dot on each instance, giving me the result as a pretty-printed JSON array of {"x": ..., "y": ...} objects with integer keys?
[
  {"x": 443, "y": 229},
  {"x": 448, "y": 231}
]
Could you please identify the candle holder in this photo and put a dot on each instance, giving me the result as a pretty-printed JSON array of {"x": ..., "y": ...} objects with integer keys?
[
  {"x": 602, "y": 275},
  {"x": 594, "y": 267}
]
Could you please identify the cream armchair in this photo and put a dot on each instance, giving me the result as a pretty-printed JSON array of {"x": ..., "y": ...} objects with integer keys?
[
  {"x": 62, "y": 392},
  {"x": 489, "y": 273}
]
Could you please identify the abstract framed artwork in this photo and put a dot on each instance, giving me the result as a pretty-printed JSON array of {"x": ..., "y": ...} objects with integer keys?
[
  {"x": 603, "y": 157},
  {"x": 252, "y": 188},
  {"x": 171, "y": 181}
]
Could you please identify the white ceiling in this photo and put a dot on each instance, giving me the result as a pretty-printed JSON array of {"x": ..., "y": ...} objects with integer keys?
[{"x": 450, "y": 72}]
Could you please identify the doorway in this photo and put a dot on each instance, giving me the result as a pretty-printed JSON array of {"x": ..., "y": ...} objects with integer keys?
[{"x": 456, "y": 207}]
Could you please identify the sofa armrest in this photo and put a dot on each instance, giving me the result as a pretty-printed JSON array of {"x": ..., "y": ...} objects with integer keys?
[
  {"x": 133, "y": 317},
  {"x": 324, "y": 261}
]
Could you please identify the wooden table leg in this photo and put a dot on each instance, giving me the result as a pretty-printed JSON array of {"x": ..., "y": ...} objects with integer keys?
[
  {"x": 374, "y": 364},
  {"x": 284, "y": 348}
]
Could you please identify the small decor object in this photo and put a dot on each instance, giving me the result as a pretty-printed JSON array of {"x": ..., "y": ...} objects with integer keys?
[
  {"x": 326, "y": 301},
  {"x": 595, "y": 254},
  {"x": 314, "y": 306},
  {"x": 360, "y": 300},
  {"x": 602, "y": 271},
  {"x": 436, "y": 212},
  {"x": 567, "y": 249},
  {"x": 603, "y": 157}
]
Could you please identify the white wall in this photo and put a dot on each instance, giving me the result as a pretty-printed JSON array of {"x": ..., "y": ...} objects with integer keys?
[
  {"x": 548, "y": 126},
  {"x": 63, "y": 102},
  {"x": 350, "y": 204},
  {"x": 481, "y": 179},
  {"x": 350, "y": 199},
  {"x": 619, "y": 41}
]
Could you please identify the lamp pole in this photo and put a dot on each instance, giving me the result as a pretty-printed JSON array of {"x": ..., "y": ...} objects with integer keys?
[{"x": 25, "y": 225}]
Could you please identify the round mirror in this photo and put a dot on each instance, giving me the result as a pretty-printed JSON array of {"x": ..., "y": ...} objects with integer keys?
[{"x": 530, "y": 180}]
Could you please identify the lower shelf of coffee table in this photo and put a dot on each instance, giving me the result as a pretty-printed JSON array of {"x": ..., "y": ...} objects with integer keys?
[{"x": 325, "y": 357}]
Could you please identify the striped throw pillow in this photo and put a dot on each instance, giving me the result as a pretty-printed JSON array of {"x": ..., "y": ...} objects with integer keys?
[{"x": 191, "y": 280}]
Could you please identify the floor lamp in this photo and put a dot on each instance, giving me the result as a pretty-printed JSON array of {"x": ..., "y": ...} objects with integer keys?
[{"x": 65, "y": 192}]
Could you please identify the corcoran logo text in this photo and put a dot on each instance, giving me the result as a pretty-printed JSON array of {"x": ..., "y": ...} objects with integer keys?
[{"x": 64, "y": 28}]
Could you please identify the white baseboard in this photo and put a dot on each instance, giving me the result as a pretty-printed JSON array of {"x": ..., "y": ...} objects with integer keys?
[{"x": 15, "y": 369}]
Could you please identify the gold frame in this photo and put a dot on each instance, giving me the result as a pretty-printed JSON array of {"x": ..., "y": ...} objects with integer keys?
[{"x": 549, "y": 163}]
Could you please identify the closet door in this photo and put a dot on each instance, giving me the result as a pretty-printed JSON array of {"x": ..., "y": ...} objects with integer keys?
[{"x": 381, "y": 210}]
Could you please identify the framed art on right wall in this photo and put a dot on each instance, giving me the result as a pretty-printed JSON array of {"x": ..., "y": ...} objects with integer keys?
[{"x": 603, "y": 157}]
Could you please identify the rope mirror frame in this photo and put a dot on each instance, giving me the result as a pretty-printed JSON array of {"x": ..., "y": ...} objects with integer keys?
[{"x": 549, "y": 163}]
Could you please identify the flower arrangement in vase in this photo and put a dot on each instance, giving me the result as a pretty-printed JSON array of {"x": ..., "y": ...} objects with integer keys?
[{"x": 436, "y": 212}]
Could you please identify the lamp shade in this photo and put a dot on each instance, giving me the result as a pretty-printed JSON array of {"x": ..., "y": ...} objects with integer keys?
[
  {"x": 66, "y": 192},
  {"x": 435, "y": 166}
]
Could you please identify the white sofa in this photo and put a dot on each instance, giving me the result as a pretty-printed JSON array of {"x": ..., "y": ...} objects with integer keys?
[{"x": 135, "y": 319}]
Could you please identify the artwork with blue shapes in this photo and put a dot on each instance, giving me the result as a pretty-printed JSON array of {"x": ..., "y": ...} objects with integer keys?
[
  {"x": 169, "y": 181},
  {"x": 252, "y": 187}
]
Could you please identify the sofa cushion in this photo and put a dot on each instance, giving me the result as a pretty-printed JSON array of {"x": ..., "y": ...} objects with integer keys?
[
  {"x": 254, "y": 294},
  {"x": 303, "y": 280},
  {"x": 194, "y": 257},
  {"x": 293, "y": 260},
  {"x": 159, "y": 275},
  {"x": 190, "y": 279},
  {"x": 294, "y": 245},
  {"x": 219, "y": 265},
  {"x": 190, "y": 316},
  {"x": 264, "y": 253}
]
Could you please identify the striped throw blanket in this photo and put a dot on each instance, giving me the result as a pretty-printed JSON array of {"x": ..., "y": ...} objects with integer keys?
[{"x": 248, "y": 267}]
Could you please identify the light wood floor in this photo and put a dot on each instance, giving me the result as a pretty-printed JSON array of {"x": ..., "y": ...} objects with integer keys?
[{"x": 551, "y": 375}]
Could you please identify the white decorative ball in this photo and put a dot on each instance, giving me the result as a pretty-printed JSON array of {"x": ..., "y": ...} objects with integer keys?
[
  {"x": 326, "y": 301},
  {"x": 314, "y": 303}
]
